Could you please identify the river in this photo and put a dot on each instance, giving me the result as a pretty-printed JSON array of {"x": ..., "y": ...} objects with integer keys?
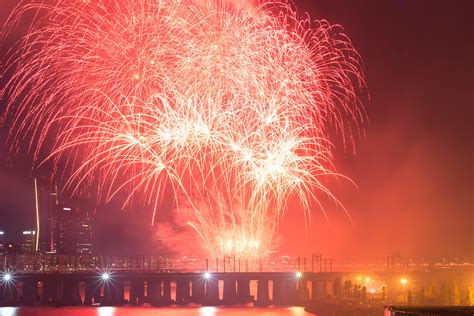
[{"x": 148, "y": 311}]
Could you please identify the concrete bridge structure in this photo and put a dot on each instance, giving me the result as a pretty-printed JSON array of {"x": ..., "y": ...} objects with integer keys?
[{"x": 164, "y": 289}]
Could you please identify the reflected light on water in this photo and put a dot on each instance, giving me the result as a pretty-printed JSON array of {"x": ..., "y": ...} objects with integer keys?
[
  {"x": 106, "y": 311},
  {"x": 207, "y": 311},
  {"x": 8, "y": 311}
]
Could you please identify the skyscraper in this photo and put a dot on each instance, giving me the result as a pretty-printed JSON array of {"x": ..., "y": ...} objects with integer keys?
[
  {"x": 28, "y": 242},
  {"x": 46, "y": 205},
  {"x": 73, "y": 231}
]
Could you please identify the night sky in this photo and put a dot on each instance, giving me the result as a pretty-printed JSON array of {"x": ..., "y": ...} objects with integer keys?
[{"x": 413, "y": 169}]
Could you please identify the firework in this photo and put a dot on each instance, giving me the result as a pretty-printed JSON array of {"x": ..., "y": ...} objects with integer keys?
[{"x": 228, "y": 103}]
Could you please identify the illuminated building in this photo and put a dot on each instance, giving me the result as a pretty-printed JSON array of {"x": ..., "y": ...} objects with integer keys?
[
  {"x": 2, "y": 241},
  {"x": 74, "y": 231},
  {"x": 46, "y": 204},
  {"x": 9, "y": 249},
  {"x": 28, "y": 242}
]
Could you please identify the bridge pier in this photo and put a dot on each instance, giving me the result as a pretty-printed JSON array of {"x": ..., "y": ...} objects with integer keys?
[
  {"x": 279, "y": 297},
  {"x": 70, "y": 293},
  {"x": 166, "y": 299},
  {"x": 92, "y": 292},
  {"x": 243, "y": 291},
  {"x": 212, "y": 292},
  {"x": 263, "y": 297},
  {"x": 302, "y": 296},
  {"x": 317, "y": 289},
  {"x": 198, "y": 290},
  {"x": 28, "y": 292},
  {"x": 113, "y": 293},
  {"x": 154, "y": 292},
  {"x": 8, "y": 294},
  {"x": 291, "y": 291},
  {"x": 52, "y": 292},
  {"x": 182, "y": 292},
  {"x": 137, "y": 292},
  {"x": 230, "y": 292}
]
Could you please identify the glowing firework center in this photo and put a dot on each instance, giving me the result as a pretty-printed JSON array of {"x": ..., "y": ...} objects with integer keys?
[{"x": 226, "y": 104}]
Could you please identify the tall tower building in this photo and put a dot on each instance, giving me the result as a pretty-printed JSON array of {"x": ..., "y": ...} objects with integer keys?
[
  {"x": 73, "y": 231},
  {"x": 46, "y": 206}
]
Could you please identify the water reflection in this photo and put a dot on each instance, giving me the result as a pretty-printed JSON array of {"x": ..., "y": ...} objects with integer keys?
[
  {"x": 106, "y": 311},
  {"x": 149, "y": 311},
  {"x": 8, "y": 311}
]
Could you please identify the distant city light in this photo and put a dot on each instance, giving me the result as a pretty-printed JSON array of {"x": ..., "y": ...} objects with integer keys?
[
  {"x": 207, "y": 275},
  {"x": 105, "y": 276},
  {"x": 367, "y": 279}
]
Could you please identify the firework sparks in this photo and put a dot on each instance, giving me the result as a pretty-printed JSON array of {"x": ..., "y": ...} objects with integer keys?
[{"x": 227, "y": 102}]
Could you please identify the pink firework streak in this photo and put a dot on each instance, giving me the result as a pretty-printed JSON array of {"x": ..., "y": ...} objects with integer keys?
[{"x": 228, "y": 103}]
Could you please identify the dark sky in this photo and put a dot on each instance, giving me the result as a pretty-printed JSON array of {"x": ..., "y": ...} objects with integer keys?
[{"x": 413, "y": 170}]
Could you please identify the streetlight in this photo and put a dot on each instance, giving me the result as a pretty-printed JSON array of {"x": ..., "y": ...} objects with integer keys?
[
  {"x": 404, "y": 282},
  {"x": 207, "y": 275},
  {"x": 105, "y": 276},
  {"x": 7, "y": 277},
  {"x": 299, "y": 274}
]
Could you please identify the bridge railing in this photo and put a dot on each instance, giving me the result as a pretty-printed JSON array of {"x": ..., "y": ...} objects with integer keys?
[{"x": 51, "y": 263}]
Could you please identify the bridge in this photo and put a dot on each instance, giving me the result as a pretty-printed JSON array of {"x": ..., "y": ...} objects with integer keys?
[
  {"x": 164, "y": 289},
  {"x": 111, "y": 281}
]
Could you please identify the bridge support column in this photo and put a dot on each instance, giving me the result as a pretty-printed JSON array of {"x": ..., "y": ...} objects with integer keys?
[
  {"x": 230, "y": 292},
  {"x": 182, "y": 292},
  {"x": 243, "y": 291},
  {"x": 137, "y": 292},
  {"x": 154, "y": 292},
  {"x": 263, "y": 298},
  {"x": 47, "y": 296},
  {"x": 279, "y": 297},
  {"x": 198, "y": 290},
  {"x": 56, "y": 292},
  {"x": 92, "y": 292},
  {"x": 29, "y": 292},
  {"x": 113, "y": 293},
  {"x": 52, "y": 292},
  {"x": 70, "y": 293},
  {"x": 316, "y": 290},
  {"x": 291, "y": 291},
  {"x": 8, "y": 294},
  {"x": 326, "y": 288},
  {"x": 303, "y": 293},
  {"x": 212, "y": 292},
  {"x": 166, "y": 299}
]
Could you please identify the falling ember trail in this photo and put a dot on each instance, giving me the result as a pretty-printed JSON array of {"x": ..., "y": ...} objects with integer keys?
[{"x": 229, "y": 103}]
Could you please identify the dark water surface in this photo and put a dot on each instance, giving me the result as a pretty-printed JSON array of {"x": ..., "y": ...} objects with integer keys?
[{"x": 148, "y": 311}]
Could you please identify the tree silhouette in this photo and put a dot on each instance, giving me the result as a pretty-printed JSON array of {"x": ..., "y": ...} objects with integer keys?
[{"x": 337, "y": 287}]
